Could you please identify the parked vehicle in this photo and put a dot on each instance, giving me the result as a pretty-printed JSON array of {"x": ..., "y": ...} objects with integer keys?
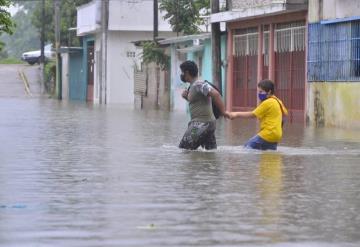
[{"x": 32, "y": 57}]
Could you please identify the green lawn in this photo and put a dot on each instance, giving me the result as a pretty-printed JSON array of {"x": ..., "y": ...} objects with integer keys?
[{"x": 11, "y": 61}]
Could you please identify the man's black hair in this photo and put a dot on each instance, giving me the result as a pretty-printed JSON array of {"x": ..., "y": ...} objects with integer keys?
[
  {"x": 267, "y": 85},
  {"x": 191, "y": 67}
]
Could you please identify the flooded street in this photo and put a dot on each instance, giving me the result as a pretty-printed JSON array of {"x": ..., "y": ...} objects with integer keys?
[{"x": 73, "y": 174}]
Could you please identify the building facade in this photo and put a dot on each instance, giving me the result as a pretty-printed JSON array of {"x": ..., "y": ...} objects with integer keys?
[
  {"x": 266, "y": 40},
  {"x": 115, "y": 25},
  {"x": 197, "y": 48},
  {"x": 334, "y": 63}
]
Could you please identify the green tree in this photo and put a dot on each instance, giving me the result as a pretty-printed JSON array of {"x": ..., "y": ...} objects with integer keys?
[
  {"x": 68, "y": 19},
  {"x": 184, "y": 15},
  {"x": 152, "y": 52},
  {"x": 6, "y": 24},
  {"x": 25, "y": 36},
  {"x": 3, "y": 54}
]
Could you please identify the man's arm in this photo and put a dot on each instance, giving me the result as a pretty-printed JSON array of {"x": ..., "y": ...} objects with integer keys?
[
  {"x": 185, "y": 94},
  {"x": 216, "y": 97}
]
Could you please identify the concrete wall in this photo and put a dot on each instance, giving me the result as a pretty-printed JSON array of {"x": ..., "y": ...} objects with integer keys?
[
  {"x": 245, "y": 4},
  {"x": 314, "y": 11},
  {"x": 332, "y": 9},
  {"x": 158, "y": 92},
  {"x": 134, "y": 16},
  {"x": 241, "y": 9},
  {"x": 334, "y": 104},
  {"x": 164, "y": 97},
  {"x": 65, "y": 76},
  {"x": 88, "y": 18},
  {"x": 120, "y": 67}
]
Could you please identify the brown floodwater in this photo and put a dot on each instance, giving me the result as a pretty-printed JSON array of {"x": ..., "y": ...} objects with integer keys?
[{"x": 73, "y": 174}]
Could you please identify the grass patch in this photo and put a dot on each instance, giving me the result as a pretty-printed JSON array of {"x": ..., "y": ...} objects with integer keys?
[{"x": 11, "y": 60}]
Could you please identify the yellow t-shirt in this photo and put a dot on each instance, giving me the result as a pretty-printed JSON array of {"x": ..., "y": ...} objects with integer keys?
[{"x": 270, "y": 115}]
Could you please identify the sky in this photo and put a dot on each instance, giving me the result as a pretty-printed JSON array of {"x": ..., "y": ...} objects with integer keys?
[{"x": 13, "y": 10}]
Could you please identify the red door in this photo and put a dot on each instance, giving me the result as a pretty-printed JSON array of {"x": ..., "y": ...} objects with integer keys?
[
  {"x": 290, "y": 68},
  {"x": 245, "y": 69},
  {"x": 90, "y": 69}
]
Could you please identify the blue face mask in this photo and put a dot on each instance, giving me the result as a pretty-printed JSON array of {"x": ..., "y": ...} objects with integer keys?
[{"x": 262, "y": 96}]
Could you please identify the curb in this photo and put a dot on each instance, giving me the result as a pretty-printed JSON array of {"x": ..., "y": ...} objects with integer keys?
[{"x": 26, "y": 82}]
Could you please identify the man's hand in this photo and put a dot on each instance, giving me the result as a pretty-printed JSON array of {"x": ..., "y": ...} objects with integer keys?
[{"x": 227, "y": 115}]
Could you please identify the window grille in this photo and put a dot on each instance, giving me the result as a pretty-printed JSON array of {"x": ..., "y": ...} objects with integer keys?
[
  {"x": 245, "y": 42},
  {"x": 266, "y": 46},
  {"x": 266, "y": 51},
  {"x": 130, "y": 54},
  {"x": 334, "y": 52},
  {"x": 355, "y": 49},
  {"x": 290, "y": 37}
]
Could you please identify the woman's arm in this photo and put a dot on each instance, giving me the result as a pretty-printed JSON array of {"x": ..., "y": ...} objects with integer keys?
[{"x": 241, "y": 114}]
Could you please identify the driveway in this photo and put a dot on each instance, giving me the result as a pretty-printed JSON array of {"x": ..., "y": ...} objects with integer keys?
[{"x": 19, "y": 80}]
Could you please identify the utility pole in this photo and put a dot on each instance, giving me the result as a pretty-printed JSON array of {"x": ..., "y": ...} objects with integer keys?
[
  {"x": 215, "y": 46},
  {"x": 42, "y": 44},
  {"x": 156, "y": 20},
  {"x": 103, "y": 54},
  {"x": 177, "y": 18},
  {"x": 57, "y": 47},
  {"x": 42, "y": 41},
  {"x": 228, "y": 4}
]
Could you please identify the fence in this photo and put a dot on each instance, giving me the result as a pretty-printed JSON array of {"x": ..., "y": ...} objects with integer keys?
[{"x": 334, "y": 52}]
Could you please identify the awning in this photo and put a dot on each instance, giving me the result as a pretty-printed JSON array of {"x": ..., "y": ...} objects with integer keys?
[{"x": 191, "y": 49}]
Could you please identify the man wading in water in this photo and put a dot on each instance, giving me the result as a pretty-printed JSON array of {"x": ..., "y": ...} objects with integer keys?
[{"x": 201, "y": 128}]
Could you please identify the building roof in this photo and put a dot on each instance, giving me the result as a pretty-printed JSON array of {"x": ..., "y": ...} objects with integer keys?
[
  {"x": 181, "y": 39},
  {"x": 65, "y": 49},
  {"x": 255, "y": 10},
  {"x": 191, "y": 49}
]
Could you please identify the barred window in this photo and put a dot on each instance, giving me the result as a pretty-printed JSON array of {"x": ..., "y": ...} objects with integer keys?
[
  {"x": 290, "y": 37},
  {"x": 355, "y": 49},
  {"x": 245, "y": 42},
  {"x": 266, "y": 45},
  {"x": 334, "y": 52},
  {"x": 130, "y": 54}
]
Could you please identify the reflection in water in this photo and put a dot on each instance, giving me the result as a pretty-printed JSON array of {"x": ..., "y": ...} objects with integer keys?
[{"x": 270, "y": 186}]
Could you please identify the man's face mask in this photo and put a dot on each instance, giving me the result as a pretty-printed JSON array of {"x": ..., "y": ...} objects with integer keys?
[
  {"x": 262, "y": 96},
  {"x": 182, "y": 77}
]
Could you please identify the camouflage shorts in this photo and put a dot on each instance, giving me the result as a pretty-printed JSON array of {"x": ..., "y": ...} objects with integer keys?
[{"x": 199, "y": 134}]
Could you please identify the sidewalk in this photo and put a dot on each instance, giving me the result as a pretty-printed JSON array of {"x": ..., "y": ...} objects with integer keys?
[{"x": 19, "y": 80}]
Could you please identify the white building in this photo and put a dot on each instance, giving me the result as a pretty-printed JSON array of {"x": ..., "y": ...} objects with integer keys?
[{"x": 127, "y": 21}]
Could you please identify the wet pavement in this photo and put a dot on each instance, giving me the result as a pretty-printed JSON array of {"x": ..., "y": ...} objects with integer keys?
[
  {"x": 74, "y": 174},
  {"x": 19, "y": 80}
]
